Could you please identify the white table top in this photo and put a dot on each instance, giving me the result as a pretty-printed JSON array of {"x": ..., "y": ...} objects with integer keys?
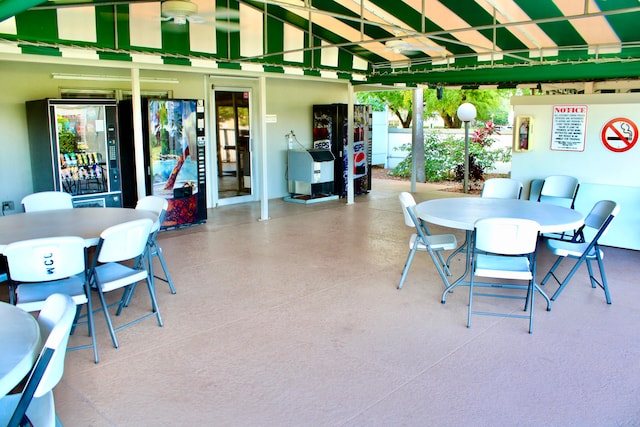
[
  {"x": 462, "y": 213},
  {"x": 20, "y": 341},
  {"x": 87, "y": 223}
]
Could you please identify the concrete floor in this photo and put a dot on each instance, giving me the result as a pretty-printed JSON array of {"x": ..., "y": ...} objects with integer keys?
[{"x": 297, "y": 321}]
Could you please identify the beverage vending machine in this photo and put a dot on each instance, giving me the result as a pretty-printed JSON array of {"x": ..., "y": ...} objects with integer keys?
[
  {"x": 174, "y": 156},
  {"x": 330, "y": 133},
  {"x": 74, "y": 148}
]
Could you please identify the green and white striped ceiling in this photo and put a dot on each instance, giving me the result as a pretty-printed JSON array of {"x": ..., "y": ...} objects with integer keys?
[{"x": 448, "y": 42}]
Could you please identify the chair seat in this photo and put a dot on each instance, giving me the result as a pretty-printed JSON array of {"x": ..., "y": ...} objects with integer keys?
[
  {"x": 437, "y": 242},
  {"x": 32, "y": 296},
  {"x": 565, "y": 248},
  {"x": 41, "y": 410},
  {"x": 114, "y": 275},
  {"x": 503, "y": 267}
]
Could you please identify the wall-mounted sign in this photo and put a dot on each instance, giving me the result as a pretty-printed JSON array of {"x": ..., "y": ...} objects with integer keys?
[
  {"x": 569, "y": 127},
  {"x": 619, "y": 134}
]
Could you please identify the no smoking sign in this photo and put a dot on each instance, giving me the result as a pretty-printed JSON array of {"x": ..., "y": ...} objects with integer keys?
[{"x": 619, "y": 134}]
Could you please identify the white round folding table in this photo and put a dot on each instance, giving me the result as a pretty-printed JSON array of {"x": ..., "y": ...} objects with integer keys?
[
  {"x": 462, "y": 213},
  {"x": 20, "y": 338},
  {"x": 87, "y": 223}
]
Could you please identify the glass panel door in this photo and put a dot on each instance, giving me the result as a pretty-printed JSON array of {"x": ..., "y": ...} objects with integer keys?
[{"x": 233, "y": 146}]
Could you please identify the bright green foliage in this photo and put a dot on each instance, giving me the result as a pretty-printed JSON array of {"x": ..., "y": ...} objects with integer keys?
[
  {"x": 490, "y": 104},
  {"x": 443, "y": 155}
]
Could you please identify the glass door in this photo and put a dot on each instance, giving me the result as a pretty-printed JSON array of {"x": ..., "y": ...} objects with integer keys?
[{"x": 233, "y": 147}]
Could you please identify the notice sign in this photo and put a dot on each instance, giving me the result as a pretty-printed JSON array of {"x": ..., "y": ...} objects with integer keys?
[{"x": 569, "y": 127}]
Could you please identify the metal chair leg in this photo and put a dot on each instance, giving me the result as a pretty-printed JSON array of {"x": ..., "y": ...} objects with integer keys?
[{"x": 407, "y": 264}]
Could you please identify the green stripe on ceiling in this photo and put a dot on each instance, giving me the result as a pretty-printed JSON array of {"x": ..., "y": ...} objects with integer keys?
[
  {"x": 114, "y": 56},
  {"x": 40, "y": 50},
  {"x": 169, "y": 60},
  {"x": 413, "y": 18},
  {"x": 373, "y": 31},
  {"x": 121, "y": 25},
  {"x": 476, "y": 16},
  {"x": 625, "y": 25},
  {"x": 561, "y": 32},
  {"x": 272, "y": 69},
  {"x": 175, "y": 38},
  {"x": 345, "y": 60},
  {"x": 229, "y": 65},
  {"x": 275, "y": 39},
  {"x": 321, "y": 32},
  {"x": 105, "y": 28},
  {"x": 38, "y": 25},
  {"x": 522, "y": 74}
]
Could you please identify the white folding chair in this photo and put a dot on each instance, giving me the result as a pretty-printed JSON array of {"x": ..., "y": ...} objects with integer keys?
[
  {"x": 502, "y": 188},
  {"x": 118, "y": 244},
  {"x": 47, "y": 201},
  {"x": 39, "y": 268},
  {"x": 560, "y": 190},
  {"x": 585, "y": 248},
  {"x": 35, "y": 405},
  {"x": 424, "y": 241},
  {"x": 157, "y": 205},
  {"x": 534, "y": 189},
  {"x": 505, "y": 248}
]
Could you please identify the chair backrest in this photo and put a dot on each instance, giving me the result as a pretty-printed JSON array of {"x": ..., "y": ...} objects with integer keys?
[
  {"x": 559, "y": 189},
  {"x": 47, "y": 259},
  {"x": 502, "y": 188},
  {"x": 124, "y": 241},
  {"x": 57, "y": 315},
  {"x": 507, "y": 236},
  {"x": 408, "y": 202},
  {"x": 55, "y": 320},
  {"x": 534, "y": 189},
  {"x": 600, "y": 216},
  {"x": 47, "y": 201},
  {"x": 155, "y": 204}
]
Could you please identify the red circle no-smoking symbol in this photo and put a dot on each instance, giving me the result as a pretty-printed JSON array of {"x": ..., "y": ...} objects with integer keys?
[{"x": 619, "y": 134}]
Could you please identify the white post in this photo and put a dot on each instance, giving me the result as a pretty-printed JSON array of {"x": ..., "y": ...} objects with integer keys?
[{"x": 138, "y": 138}]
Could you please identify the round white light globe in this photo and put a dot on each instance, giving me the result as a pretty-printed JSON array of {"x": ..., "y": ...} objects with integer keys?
[{"x": 467, "y": 112}]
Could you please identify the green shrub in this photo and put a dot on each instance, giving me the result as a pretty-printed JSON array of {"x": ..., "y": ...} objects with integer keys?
[{"x": 444, "y": 156}]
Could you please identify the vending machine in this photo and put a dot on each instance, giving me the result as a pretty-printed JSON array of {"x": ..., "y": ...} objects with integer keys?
[
  {"x": 330, "y": 133},
  {"x": 74, "y": 148},
  {"x": 174, "y": 156}
]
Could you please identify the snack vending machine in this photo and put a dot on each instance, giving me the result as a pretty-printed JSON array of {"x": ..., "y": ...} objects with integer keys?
[
  {"x": 330, "y": 133},
  {"x": 74, "y": 148},
  {"x": 174, "y": 156}
]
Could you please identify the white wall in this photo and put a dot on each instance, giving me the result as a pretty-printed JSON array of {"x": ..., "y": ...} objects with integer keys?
[
  {"x": 291, "y": 102},
  {"x": 20, "y": 82},
  {"x": 603, "y": 174}
]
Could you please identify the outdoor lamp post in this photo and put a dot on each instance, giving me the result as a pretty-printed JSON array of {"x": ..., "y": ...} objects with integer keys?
[{"x": 466, "y": 113}]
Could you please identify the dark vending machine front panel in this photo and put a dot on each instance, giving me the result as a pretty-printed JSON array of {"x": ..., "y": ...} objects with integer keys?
[
  {"x": 74, "y": 148},
  {"x": 202, "y": 172}
]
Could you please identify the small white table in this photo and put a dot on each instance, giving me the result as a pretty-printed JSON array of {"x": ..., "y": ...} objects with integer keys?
[
  {"x": 462, "y": 213},
  {"x": 87, "y": 223},
  {"x": 20, "y": 341}
]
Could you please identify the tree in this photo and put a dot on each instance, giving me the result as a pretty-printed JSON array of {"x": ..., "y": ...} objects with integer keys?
[
  {"x": 489, "y": 104},
  {"x": 398, "y": 101}
]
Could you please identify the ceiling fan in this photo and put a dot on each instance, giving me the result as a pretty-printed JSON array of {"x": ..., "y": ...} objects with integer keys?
[
  {"x": 176, "y": 12},
  {"x": 179, "y": 12},
  {"x": 408, "y": 46}
]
